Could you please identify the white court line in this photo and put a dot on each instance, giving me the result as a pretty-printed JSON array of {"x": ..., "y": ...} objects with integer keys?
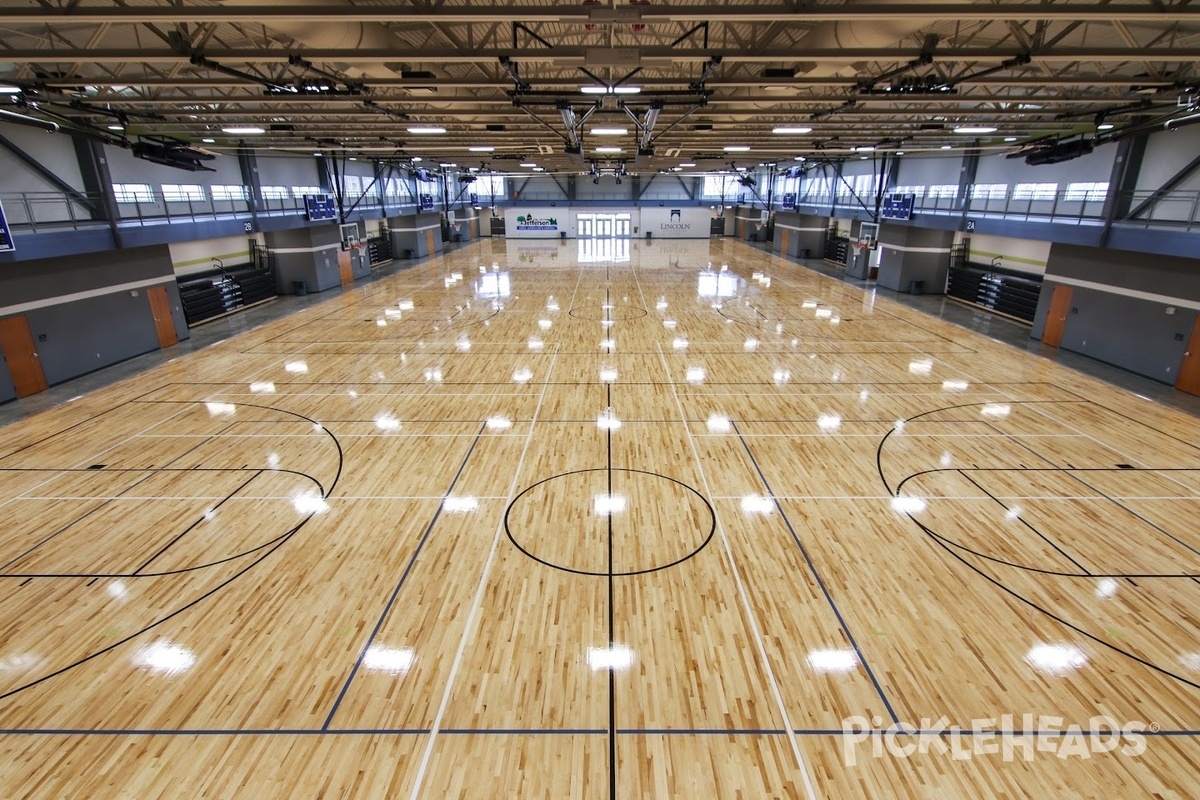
[
  {"x": 477, "y": 601},
  {"x": 90, "y": 458},
  {"x": 935, "y": 498},
  {"x": 747, "y": 609}
]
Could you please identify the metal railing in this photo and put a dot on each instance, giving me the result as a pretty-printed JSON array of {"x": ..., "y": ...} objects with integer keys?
[
  {"x": 38, "y": 211},
  {"x": 1179, "y": 209}
]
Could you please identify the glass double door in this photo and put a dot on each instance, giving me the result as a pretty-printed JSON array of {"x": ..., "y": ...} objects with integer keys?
[{"x": 603, "y": 226}]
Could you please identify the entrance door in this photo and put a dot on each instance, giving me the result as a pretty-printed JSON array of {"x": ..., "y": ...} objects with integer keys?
[
  {"x": 345, "y": 267},
  {"x": 585, "y": 225},
  {"x": 783, "y": 240},
  {"x": 16, "y": 343},
  {"x": 429, "y": 241},
  {"x": 1056, "y": 317},
  {"x": 1189, "y": 368},
  {"x": 621, "y": 225},
  {"x": 160, "y": 309},
  {"x": 604, "y": 225}
]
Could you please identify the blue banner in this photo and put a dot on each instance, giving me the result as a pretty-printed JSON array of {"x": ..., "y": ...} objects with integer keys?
[{"x": 6, "y": 240}]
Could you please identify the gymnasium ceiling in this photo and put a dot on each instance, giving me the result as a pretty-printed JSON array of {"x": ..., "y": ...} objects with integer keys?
[{"x": 354, "y": 77}]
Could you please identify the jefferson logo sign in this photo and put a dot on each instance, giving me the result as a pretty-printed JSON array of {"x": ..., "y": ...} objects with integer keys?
[{"x": 532, "y": 223}]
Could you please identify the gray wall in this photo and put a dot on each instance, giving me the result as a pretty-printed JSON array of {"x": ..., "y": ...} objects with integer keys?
[
  {"x": 85, "y": 335},
  {"x": 1108, "y": 323},
  {"x": 287, "y": 172},
  {"x": 77, "y": 336},
  {"x": 308, "y": 255},
  {"x": 7, "y": 390},
  {"x": 55, "y": 151},
  {"x": 914, "y": 254}
]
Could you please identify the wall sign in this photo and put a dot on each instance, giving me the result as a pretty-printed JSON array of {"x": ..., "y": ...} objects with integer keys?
[{"x": 6, "y": 240}]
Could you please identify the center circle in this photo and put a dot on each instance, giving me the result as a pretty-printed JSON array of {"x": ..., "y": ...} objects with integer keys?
[
  {"x": 605, "y": 522},
  {"x": 615, "y": 313}
]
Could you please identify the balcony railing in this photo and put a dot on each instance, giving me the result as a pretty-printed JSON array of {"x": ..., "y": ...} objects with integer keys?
[
  {"x": 1180, "y": 209},
  {"x": 38, "y": 211}
]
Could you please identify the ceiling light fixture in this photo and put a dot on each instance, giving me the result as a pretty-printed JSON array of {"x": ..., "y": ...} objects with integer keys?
[
  {"x": 426, "y": 129},
  {"x": 975, "y": 129},
  {"x": 786, "y": 130},
  {"x": 737, "y": 148},
  {"x": 529, "y": 164},
  {"x": 483, "y": 148},
  {"x": 609, "y": 131},
  {"x": 243, "y": 130},
  {"x": 689, "y": 164},
  {"x": 608, "y": 150}
]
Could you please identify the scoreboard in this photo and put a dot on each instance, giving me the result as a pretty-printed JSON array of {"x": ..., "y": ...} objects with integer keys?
[
  {"x": 898, "y": 206},
  {"x": 320, "y": 206}
]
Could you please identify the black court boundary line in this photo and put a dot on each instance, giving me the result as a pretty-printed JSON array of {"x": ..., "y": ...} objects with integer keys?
[
  {"x": 387, "y": 608},
  {"x": 1114, "y": 501},
  {"x": 609, "y": 470},
  {"x": 817, "y": 575},
  {"x": 270, "y": 549},
  {"x": 192, "y": 527},
  {"x": 1040, "y": 570},
  {"x": 4, "y": 567},
  {"x": 964, "y": 732},
  {"x": 1000, "y": 584},
  {"x": 1082, "y": 569}
]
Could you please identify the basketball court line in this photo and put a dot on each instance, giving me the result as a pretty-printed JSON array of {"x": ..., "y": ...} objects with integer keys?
[
  {"x": 73, "y": 523},
  {"x": 480, "y": 590},
  {"x": 817, "y": 575},
  {"x": 1026, "y": 523},
  {"x": 1035, "y": 406},
  {"x": 1105, "y": 734},
  {"x": 747, "y": 609},
  {"x": 192, "y": 527},
  {"x": 387, "y": 608}
]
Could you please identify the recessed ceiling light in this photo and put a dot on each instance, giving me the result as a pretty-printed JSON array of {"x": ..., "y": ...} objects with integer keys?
[
  {"x": 786, "y": 130},
  {"x": 737, "y": 148},
  {"x": 689, "y": 164},
  {"x": 610, "y": 131},
  {"x": 243, "y": 129},
  {"x": 975, "y": 129},
  {"x": 608, "y": 150},
  {"x": 426, "y": 129},
  {"x": 483, "y": 148},
  {"x": 529, "y": 164}
]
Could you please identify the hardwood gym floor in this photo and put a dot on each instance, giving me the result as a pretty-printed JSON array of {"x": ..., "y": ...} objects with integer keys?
[{"x": 602, "y": 519}]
